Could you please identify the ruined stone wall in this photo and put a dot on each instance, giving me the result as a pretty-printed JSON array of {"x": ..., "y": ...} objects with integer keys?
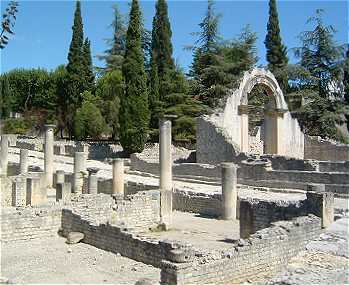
[
  {"x": 321, "y": 149},
  {"x": 263, "y": 253},
  {"x": 213, "y": 143},
  {"x": 29, "y": 223},
  {"x": 115, "y": 239}
]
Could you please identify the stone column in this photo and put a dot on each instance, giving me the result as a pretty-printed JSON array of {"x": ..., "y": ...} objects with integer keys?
[
  {"x": 60, "y": 176},
  {"x": 23, "y": 161},
  {"x": 229, "y": 191},
  {"x": 48, "y": 154},
  {"x": 79, "y": 171},
  {"x": 92, "y": 180},
  {"x": 4, "y": 154},
  {"x": 118, "y": 177},
  {"x": 243, "y": 112},
  {"x": 166, "y": 170}
]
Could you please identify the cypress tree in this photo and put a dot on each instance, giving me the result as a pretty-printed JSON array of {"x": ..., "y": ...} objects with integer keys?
[
  {"x": 276, "y": 51},
  {"x": 75, "y": 82},
  {"x": 134, "y": 113},
  {"x": 87, "y": 63},
  {"x": 346, "y": 78},
  {"x": 161, "y": 62}
]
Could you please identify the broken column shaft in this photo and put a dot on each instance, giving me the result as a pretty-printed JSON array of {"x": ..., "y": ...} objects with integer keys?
[
  {"x": 229, "y": 191},
  {"x": 92, "y": 180},
  {"x": 48, "y": 155},
  {"x": 118, "y": 177},
  {"x": 23, "y": 161},
  {"x": 79, "y": 171}
]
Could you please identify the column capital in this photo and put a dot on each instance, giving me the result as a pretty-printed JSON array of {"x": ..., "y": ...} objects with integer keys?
[
  {"x": 49, "y": 127},
  {"x": 168, "y": 117},
  {"x": 92, "y": 170}
]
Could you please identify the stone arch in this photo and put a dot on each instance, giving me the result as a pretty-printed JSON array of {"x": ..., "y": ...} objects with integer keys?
[{"x": 273, "y": 126}]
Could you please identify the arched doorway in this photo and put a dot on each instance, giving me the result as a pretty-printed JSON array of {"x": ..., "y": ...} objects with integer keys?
[{"x": 272, "y": 109}]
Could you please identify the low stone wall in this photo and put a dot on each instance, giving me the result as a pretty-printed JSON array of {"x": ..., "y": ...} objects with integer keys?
[
  {"x": 264, "y": 253},
  {"x": 331, "y": 166},
  {"x": 29, "y": 223},
  {"x": 320, "y": 149},
  {"x": 116, "y": 239}
]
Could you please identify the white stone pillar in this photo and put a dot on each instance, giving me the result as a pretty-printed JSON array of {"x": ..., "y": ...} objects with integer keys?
[
  {"x": 244, "y": 143},
  {"x": 229, "y": 191},
  {"x": 48, "y": 154},
  {"x": 118, "y": 177},
  {"x": 23, "y": 161},
  {"x": 92, "y": 180},
  {"x": 79, "y": 171},
  {"x": 166, "y": 170},
  {"x": 4, "y": 154}
]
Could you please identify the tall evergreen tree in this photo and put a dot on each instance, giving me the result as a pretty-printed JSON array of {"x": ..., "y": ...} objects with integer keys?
[
  {"x": 320, "y": 82},
  {"x": 75, "y": 81},
  {"x": 161, "y": 62},
  {"x": 114, "y": 55},
  {"x": 87, "y": 64},
  {"x": 5, "y": 97},
  {"x": 276, "y": 51},
  {"x": 134, "y": 112}
]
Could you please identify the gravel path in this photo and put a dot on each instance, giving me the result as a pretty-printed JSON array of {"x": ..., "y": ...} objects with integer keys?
[{"x": 52, "y": 261}]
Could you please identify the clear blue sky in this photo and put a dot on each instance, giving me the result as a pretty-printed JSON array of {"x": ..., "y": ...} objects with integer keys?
[{"x": 43, "y": 28}]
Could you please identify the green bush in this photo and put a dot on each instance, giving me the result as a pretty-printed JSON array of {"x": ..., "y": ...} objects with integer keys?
[{"x": 16, "y": 126}]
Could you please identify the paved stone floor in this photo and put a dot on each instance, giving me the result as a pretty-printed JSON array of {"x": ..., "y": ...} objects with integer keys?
[
  {"x": 52, "y": 261},
  {"x": 201, "y": 232}
]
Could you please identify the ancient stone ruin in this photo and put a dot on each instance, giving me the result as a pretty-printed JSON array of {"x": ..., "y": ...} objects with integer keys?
[{"x": 216, "y": 215}]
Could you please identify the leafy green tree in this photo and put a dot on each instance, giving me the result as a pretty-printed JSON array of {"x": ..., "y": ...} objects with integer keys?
[
  {"x": 5, "y": 97},
  {"x": 114, "y": 55},
  {"x": 89, "y": 122},
  {"x": 319, "y": 83},
  {"x": 134, "y": 111},
  {"x": 110, "y": 88},
  {"x": 276, "y": 51}
]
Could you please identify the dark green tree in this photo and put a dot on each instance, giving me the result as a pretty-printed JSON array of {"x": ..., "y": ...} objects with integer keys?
[
  {"x": 276, "y": 51},
  {"x": 161, "y": 62},
  {"x": 114, "y": 55},
  {"x": 5, "y": 97},
  {"x": 75, "y": 82},
  {"x": 87, "y": 64},
  {"x": 320, "y": 83},
  {"x": 134, "y": 111},
  {"x": 88, "y": 121},
  {"x": 110, "y": 88}
]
